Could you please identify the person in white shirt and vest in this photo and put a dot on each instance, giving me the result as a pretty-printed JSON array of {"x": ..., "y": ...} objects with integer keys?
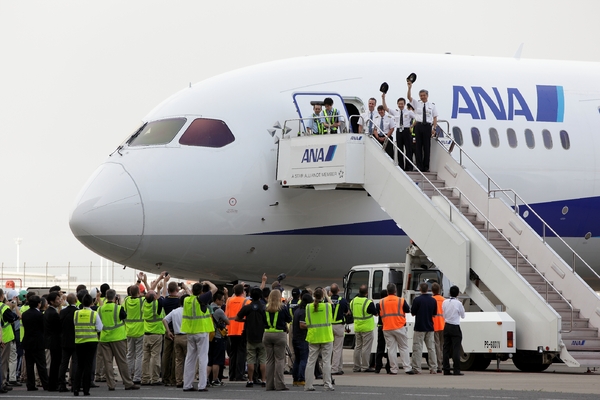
[
  {"x": 453, "y": 312},
  {"x": 363, "y": 310},
  {"x": 331, "y": 116},
  {"x": 426, "y": 115},
  {"x": 87, "y": 325},
  {"x": 113, "y": 341}
]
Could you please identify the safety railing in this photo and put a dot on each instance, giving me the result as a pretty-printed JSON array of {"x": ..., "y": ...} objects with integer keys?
[
  {"x": 493, "y": 188},
  {"x": 303, "y": 129}
]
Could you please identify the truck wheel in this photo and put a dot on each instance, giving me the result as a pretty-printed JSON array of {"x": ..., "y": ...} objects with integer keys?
[
  {"x": 529, "y": 366},
  {"x": 474, "y": 362}
]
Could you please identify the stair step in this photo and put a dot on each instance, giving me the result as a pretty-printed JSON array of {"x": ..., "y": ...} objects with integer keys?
[
  {"x": 577, "y": 323},
  {"x": 583, "y": 344},
  {"x": 559, "y": 305},
  {"x": 417, "y": 176},
  {"x": 533, "y": 277},
  {"x": 438, "y": 183},
  {"x": 566, "y": 314},
  {"x": 581, "y": 334},
  {"x": 586, "y": 358}
]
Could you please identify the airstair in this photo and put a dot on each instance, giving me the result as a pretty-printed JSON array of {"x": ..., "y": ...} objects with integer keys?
[{"x": 472, "y": 232}]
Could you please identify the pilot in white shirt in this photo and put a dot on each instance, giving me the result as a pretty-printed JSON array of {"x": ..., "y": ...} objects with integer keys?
[
  {"x": 384, "y": 127},
  {"x": 404, "y": 138},
  {"x": 366, "y": 120}
]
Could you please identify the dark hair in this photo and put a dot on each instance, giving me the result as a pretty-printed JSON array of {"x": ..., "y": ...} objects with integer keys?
[
  {"x": 80, "y": 294},
  {"x": 265, "y": 292},
  {"x": 256, "y": 294},
  {"x": 172, "y": 287},
  {"x": 401, "y": 98},
  {"x": 205, "y": 288},
  {"x": 363, "y": 290},
  {"x": 196, "y": 289},
  {"x": 80, "y": 288},
  {"x": 34, "y": 301},
  {"x": 384, "y": 293},
  {"x": 335, "y": 289},
  {"x": 423, "y": 287},
  {"x": 111, "y": 294},
  {"x": 52, "y": 296},
  {"x": 307, "y": 298},
  {"x": 391, "y": 288},
  {"x": 379, "y": 108},
  {"x": 87, "y": 300},
  {"x": 318, "y": 298},
  {"x": 134, "y": 290},
  {"x": 328, "y": 101},
  {"x": 182, "y": 299},
  {"x": 454, "y": 291},
  {"x": 54, "y": 288},
  {"x": 435, "y": 288},
  {"x": 374, "y": 99},
  {"x": 103, "y": 288},
  {"x": 238, "y": 289},
  {"x": 218, "y": 295},
  {"x": 149, "y": 297}
]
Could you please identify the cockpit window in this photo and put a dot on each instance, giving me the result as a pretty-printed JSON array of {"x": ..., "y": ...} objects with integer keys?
[
  {"x": 157, "y": 132},
  {"x": 207, "y": 133}
]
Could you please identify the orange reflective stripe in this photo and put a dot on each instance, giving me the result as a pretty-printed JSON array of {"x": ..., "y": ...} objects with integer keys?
[
  {"x": 392, "y": 320},
  {"x": 438, "y": 318},
  {"x": 234, "y": 305}
]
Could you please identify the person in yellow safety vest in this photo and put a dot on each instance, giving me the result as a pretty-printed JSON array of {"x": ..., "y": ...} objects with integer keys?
[
  {"x": 392, "y": 314},
  {"x": 274, "y": 339},
  {"x": 113, "y": 341},
  {"x": 134, "y": 329},
  {"x": 9, "y": 313},
  {"x": 438, "y": 326},
  {"x": 316, "y": 124},
  {"x": 317, "y": 320},
  {"x": 363, "y": 311},
  {"x": 152, "y": 313},
  {"x": 87, "y": 324},
  {"x": 340, "y": 309},
  {"x": 197, "y": 324},
  {"x": 332, "y": 120}
]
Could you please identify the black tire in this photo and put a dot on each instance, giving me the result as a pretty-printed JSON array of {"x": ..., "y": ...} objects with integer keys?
[
  {"x": 530, "y": 366},
  {"x": 474, "y": 362}
]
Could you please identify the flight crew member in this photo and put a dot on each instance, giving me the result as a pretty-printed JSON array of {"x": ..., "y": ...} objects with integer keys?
[
  {"x": 332, "y": 116},
  {"x": 316, "y": 125},
  {"x": 134, "y": 328},
  {"x": 426, "y": 116},
  {"x": 393, "y": 310},
  {"x": 67, "y": 343},
  {"x": 174, "y": 320},
  {"x": 317, "y": 321},
  {"x": 87, "y": 323},
  {"x": 424, "y": 307},
  {"x": 453, "y": 312},
  {"x": 366, "y": 119},
  {"x": 52, "y": 334},
  {"x": 113, "y": 341},
  {"x": 236, "y": 334},
  {"x": 197, "y": 323},
  {"x": 438, "y": 326},
  {"x": 274, "y": 339},
  {"x": 363, "y": 311},
  {"x": 404, "y": 118},
  {"x": 340, "y": 309},
  {"x": 381, "y": 347},
  {"x": 384, "y": 126}
]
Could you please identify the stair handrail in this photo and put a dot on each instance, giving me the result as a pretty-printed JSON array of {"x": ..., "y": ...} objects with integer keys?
[
  {"x": 518, "y": 252},
  {"x": 301, "y": 121},
  {"x": 499, "y": 189}
]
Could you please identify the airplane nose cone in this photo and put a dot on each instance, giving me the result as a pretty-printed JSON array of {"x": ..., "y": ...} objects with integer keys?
[{"x": 108, "y": 217}]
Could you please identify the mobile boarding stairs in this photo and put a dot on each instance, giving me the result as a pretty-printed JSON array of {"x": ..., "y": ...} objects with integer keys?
[{"x": 473, "y": 233}]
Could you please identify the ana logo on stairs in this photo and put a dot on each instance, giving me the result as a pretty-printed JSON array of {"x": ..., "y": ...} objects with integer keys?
[{"x": 319, "y": 154}]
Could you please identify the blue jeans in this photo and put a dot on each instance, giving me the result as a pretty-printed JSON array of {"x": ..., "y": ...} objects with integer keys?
[{"x": 300, "y": 359}]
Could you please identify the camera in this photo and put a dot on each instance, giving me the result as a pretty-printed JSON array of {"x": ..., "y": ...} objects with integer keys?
[{"x": 180, "y": 284}]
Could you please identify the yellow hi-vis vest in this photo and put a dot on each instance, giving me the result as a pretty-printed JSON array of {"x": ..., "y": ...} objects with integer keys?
[
  {"x": 23, "y": 309},
  {"x": 272, "y": 322},
  {"x": 113, "y": 328},
  {"x": 7, "y": 331},
  {"x": 318, "y": 323},
  {"x": 194, "y": 320},
  {"x": 152, "y": 320},
  {"x": 85, "y": 326},
  {"x": 363, "y": 321},
  {"x": 134, "y": 324}
]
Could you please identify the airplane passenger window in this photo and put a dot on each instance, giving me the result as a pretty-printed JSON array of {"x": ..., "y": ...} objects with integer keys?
[
  {"x": 547, "y": 138},
  {"x": 476, "y": 137},
  {"x": 456, "y": 132},
  {"x": 564, "y": 140},
  {"x": 494, "y": 138},
  {"x": 157, "y": 132},
  {"x": 529, "y": 138},
  {"x": 512, "y": 137},
  {"x": 206, "y": 132}
]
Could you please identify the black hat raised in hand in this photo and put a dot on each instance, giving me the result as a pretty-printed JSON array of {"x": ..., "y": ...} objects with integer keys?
[
  {"x": 411, "y": 78},
  {"x": 384, "y": 88}
]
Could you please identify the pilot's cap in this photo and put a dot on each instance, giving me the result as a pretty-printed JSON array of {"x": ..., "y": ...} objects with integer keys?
[
  {"x": 412, "y": 77},
  {"x": 316, "y": 103},
  {"x": 384, "y": 88}
]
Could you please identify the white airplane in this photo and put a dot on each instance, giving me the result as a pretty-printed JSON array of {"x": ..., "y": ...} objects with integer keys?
[{"x": 195, "y": 187}]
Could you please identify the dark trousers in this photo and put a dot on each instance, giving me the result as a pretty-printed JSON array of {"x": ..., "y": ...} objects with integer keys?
[
  {"x": 168, "y": 361},
  {"x": 405, "y": 144},
  {"x": 68, "y": 354},
  {"x": 381, "y": 351},
  {"x": 452, "y": 347},
  {"x": 55, "y": 361},
  {"x": 36, "y": 358},
  {"x": 300, "y": 359},
  {"x": 423, "y": 149},
  {"x": 389, "y": 147},
  {"x": 85, "y": 360},
  {"x": 237, "y": 357}
]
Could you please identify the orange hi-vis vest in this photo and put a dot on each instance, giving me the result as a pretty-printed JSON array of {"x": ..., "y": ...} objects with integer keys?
[
  {"x": 438, "y": 318},
  {"x": 391, "y": 313},
  {"x": 234, "y": 305}
]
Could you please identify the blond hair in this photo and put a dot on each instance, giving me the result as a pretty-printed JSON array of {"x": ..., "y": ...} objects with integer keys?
[{"x": 274, "y": 304}]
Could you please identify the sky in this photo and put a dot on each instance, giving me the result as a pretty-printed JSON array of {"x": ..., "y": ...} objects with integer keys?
[{"x": 77, "y": 77}]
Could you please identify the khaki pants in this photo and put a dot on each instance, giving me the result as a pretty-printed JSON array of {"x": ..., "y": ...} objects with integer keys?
[
  {"x": 417, "y": 350},
  {"x": 100, "y": 372},
  {"x": 362, "y": 350},
  {"x": 168, "y": 362},
  {"x": 151, "y": 359},
  {"x": 135, "y": 353},
  {"x": 338, "y": 347},
  {"x": 6, "y": 352},
  {"x": 439, "y": 348},
  {"x": 314, "y": 350},
  {"x": 397, "y": 341},
  {"x": 118, "y": 350},
  {"x": 275, "y": 346},
  {"x": 180, "y": 353}
]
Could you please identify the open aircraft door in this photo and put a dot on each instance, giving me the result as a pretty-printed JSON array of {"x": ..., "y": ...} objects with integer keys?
[{"x": 305, "y": 109}]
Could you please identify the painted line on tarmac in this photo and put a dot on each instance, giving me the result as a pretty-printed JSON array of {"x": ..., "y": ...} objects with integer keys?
[
  {"x": 492, "y": 397},
  {"x": 425, "y": 395},
  {"x": 126, "y": 398}
]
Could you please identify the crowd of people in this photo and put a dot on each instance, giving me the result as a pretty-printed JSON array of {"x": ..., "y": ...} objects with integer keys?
[{"x": 166, "y": 333}]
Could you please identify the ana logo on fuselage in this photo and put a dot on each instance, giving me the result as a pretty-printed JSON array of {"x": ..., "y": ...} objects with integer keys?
[
  {"x": 550, "y": 103},
  {"x": 319, "y": 154}
]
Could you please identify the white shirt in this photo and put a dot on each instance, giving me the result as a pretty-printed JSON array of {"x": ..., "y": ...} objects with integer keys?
[
  {"x": 388, "y": 123},
  {"x": 429, "y": 108},
  {"x": 175, "y": 317},
  {"x": 407, "y": 115},
  {"x": 364, "y": 121},
  {"x": 453, "y": 311}
]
